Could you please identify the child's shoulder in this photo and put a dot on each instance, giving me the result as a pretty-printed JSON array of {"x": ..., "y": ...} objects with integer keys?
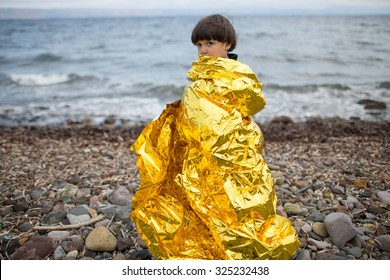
[
  {"x": 209, "y": 67},
  {"x": 225, "y": 63}
]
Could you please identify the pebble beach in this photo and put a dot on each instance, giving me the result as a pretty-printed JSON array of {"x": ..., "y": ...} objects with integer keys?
[{"x": 66, "y": 191}]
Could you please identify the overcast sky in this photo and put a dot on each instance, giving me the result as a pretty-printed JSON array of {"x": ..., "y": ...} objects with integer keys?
[{"x": 256, "y": 6}]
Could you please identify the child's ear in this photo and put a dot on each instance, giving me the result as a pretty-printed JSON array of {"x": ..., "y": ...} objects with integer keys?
[{"x": 227, "y": 46}]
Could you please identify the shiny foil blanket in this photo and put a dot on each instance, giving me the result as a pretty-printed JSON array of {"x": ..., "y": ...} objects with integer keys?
[{"x": 206, "y": 191}]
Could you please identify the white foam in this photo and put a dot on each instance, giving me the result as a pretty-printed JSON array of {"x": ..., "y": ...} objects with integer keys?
[{"x": 39, "y": 79}]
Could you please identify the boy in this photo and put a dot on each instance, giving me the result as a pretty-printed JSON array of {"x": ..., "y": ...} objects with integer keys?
[{"x": 206, "y": 192}]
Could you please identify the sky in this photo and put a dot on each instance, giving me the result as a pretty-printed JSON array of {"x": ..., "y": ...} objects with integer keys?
[{"x": 309, "y": 6}]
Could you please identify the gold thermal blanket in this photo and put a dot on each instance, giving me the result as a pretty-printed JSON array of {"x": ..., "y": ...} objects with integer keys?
[{"x": 206, "y": 191}]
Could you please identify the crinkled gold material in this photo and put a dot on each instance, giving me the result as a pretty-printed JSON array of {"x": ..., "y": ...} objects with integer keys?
[{"x": 206, "y": 191}]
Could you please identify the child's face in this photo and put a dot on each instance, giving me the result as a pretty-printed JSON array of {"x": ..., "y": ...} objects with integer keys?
[{"x": 212, "y": 48}]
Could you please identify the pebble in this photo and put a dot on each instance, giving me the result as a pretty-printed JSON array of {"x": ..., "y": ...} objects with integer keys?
[
  {"x": 82, "y": 193},
  {"x": 384, "y": 242},
  {"x": 340, "y": 228},
  {"x": 328, "y": 256},
  {"x": 108, "y": 211},
  {"x": 94, "y": 202},
  {"x": 59, "y": 235},
  {"x": 54, "y": 217},
  {"x": 370, "y": 228},
  {"x": 119, "y": 257},
  {"x": 21, "y": 206},
  {"x": 101, "y": 239},
  {"x": 120, "y": 196},
  {"x": 320, "y": 229},
  {"x": 36, "y": 193},
  {"x": 37, "y": 248},
  {"x": 8, "y": 245},
  {"x": 78, "y": 214},
  {"x": 122, "y": 213},
  {"x": 280, "y": 211},
  {"x": 78, "y": 241},
  {"x": 316, "y": 217},
  {"x": 354, "y": 251},
  {"x": 309, "y": 191},
  {"x": 103, "y": 223},
  {"x": 75, "y": 180},
  {"x": 68, "y": 193},
  {"x": 278, "y": 177},
  {"x": 384, "y": 197},
  {"x": 360, "y": 183},
  {"x": 306, "y": 227},
  {"x": 321, "y": 245},
  {"x": 25, "y": 227},
  {"x": 125, "y": 243},
  {"x": 72, "y": 255},
  {"x": 69, "y": 246},
  {"x": 303, "y": 255},
  {"x": 143, "y": 254},
  {"x": 291, "y": 208},
  {"x": 59, "y": 253}
]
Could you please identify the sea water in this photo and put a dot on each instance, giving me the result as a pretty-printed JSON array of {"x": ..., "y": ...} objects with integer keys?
[{"x": 55, "y": 70}]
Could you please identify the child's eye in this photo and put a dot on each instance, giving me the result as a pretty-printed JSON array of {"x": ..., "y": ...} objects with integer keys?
[{"x": 209, "y": 43}]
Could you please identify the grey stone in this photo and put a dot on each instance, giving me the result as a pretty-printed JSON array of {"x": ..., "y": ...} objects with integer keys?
[
  {"x": 108, "y": 211},
  {"x": 59, "y": 253},
  {"x": 319, "y": 244},
  {"x": 73, "y": 219},
  {"x": 94, "y": 202},
  {"x": 78, "y": 241},
  {"x": 25, "y": 227},
  {"x": 58, "y": 235},
  {"x": 384, "y": 242},
  {"x": 340, "y": 228},
  {"x": 103, "y": 223},
  {"x": 125, "y": 243},
  {"x": 123, "y": 213},
  {"x": 36, "y": 193},
  {"x": 143, "y": 254},
  {"x": 78, "y": 214},
  {"x": 120, "y": 196},
  {"x": 384, "y": 197},
  {"x": 79, "y": 210},
  {"x": 304, "y": 255},
  {"x": 21, "y": 206},
  {"x": 72, "y": 255},
  {"x": 306, "y": 227},
  {"x": 9, "y": 244},
  {"x": 354, "y": 251},
  {"x": 328, "y": 256},
  {"x": 315, "y": 217},
  {"x": 54, "y": 217}
]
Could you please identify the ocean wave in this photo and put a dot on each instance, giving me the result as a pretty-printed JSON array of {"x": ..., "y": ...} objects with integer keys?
[
  {"x": 167, "y": 90},
  {"x": 3, "y": 59},
  {"x": 384, "y": 85},
  {"x": 46, "y": 80},
  {"x": 308, "y": 88},
  {"x": 47, "y": 57},
  {"x": 147, "y": 89}
]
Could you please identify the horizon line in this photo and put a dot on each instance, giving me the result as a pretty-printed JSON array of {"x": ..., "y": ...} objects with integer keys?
[{"x": 51, "y": 13}]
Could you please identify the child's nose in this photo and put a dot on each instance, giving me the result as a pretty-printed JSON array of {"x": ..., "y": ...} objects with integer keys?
[{"x": 202, "y": 50}]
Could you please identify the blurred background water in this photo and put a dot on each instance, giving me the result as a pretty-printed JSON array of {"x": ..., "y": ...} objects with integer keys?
[{"x": 54, "y": 70}]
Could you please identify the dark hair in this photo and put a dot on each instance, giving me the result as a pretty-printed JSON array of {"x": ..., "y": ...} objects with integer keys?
[{"x": 215, "y": 27}]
